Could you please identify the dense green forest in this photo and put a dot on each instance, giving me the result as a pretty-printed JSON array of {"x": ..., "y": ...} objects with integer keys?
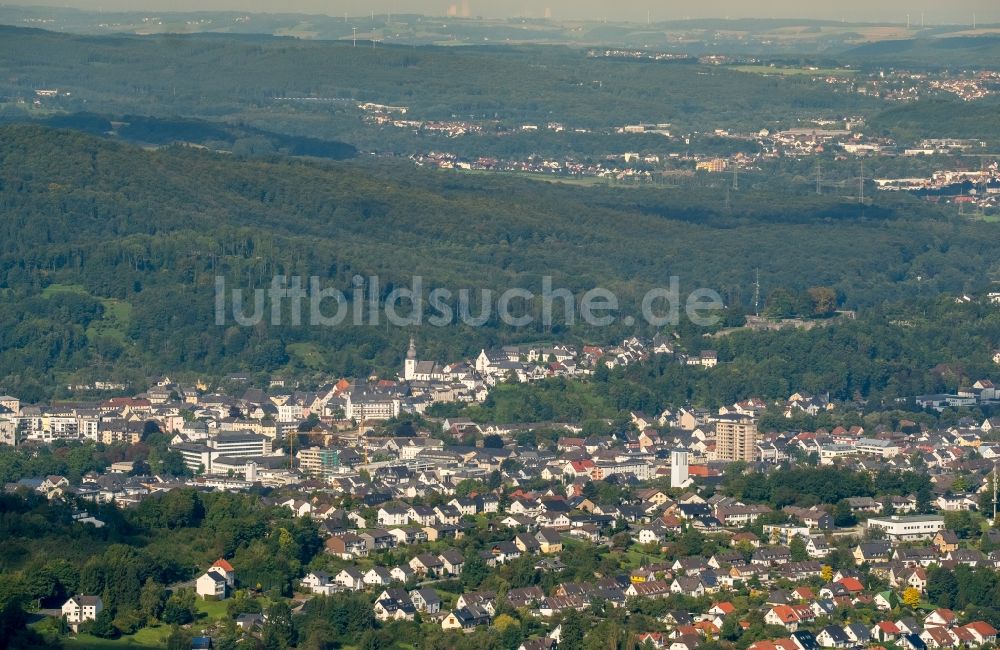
[
  {"x": 108, "y": 256},
  {"x": 238, "y": 79},
  {"x": 264, "y": 94},
  {"x": 923, "y": 53},
  {"x": 973, "y": 120}
]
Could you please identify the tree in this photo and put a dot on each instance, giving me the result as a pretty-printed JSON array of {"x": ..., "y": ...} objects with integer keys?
[
  {"x": 278, "y": 627},
  {"x": 731, "y": 630},
  {"x": 824, "y": 300},
  {"x": 843, "y": 516},
  {"x": 371, "y": 640},
  {"x": 179, "y": 608},
  {"x": 621, "y": 541},
  {"x": 965, "y": 524},
  {"x": 474, "y": 570},
  {"x": 493, "y": 441},
  {"x": 104, "y": 625},
  {"x": 911, "y": 597},
  {"x": 151, "y": 600},
  {"x": 827, "y": 573},
  {"x": 798, "y": 549},
  {"x": 573, "y": 631},
  {"x": 942, "y": 587},
  {"x": 179, "y": 638},
  {"x": 309, "y": 423},
  {"x": 782, "y": 303},
  {"x": 504, "y": 621},
  {"x": 606, "y": 635}
]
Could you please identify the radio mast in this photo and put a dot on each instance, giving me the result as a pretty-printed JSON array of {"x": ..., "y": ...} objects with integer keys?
[
  {"x": 756, "y": 293},
  {"x": 995, "y": 493}
]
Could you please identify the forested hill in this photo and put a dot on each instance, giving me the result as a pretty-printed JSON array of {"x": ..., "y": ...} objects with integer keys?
[
  {"x": 108, "y": 252},
  {"x": 218, "y": 76},
  {"x": 943, "y": 52}
]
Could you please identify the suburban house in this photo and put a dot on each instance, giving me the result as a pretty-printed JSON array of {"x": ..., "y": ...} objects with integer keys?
[
  {"x": 215, "y": 582},
  {"x": 211, "y": 584},
  {"x": 79, "y": 609},
  {"x": 320, "y": 582}
]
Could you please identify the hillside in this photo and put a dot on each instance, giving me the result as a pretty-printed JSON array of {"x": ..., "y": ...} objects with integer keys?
[
  {"x": 935, "y": 52},
  {"x": 236, "y": 78},
  {"x": 109, "y": 252}
]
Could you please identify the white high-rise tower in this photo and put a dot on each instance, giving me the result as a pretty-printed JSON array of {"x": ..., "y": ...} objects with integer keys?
[{"x": 679, "y": 468}]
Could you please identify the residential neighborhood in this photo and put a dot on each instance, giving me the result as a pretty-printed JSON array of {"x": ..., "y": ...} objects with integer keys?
[{"x": 417, "y": 524}]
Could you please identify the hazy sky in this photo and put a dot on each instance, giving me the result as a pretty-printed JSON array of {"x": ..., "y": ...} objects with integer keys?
[{"x": 935, "y": 11}]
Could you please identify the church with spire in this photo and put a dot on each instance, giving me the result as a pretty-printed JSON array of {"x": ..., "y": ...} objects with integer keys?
[{"x": 414, "y": 370}]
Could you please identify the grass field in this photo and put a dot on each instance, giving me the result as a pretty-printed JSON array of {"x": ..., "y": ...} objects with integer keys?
[
  {"x": 54, "y": 289},
  {"x": 147, "y": 637},
  {"x": 213, "y": 609},
  {"x": 582, "y": 181},
  {"x": 635, "y": 558},
  {"x": 309, "y": 354},
  {"x": 789, "y": 72},
  {"x": 117, "y": 313}
]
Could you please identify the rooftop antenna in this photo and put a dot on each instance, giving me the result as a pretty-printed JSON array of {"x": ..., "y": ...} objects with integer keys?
[{"x": 756, "y": 293}]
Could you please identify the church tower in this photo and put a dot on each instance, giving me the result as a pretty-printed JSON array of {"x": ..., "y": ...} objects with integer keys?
[{"x": 410, "y": 365}]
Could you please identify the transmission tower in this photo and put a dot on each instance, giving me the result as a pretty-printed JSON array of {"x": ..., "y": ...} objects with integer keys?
[{"x": 756, "y": 293}]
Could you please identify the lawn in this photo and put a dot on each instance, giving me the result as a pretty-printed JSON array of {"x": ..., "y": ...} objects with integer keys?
[
  {"x": 117, "y": 313},
  {"x": 309, "y": 354},
  {"x": 585, "y": 181},
  {"x": 147, "y": 637},
  {"x": 788, "y": 72},
  {"x": 635, "y": 558},
  {"x": 52, "y": 289},
  {"x": 213, "y": 609}
]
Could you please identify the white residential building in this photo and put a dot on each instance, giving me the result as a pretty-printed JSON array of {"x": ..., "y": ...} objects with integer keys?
[
  {"x": 82, "y": 608},
  {"x": 907, "y": 528}
]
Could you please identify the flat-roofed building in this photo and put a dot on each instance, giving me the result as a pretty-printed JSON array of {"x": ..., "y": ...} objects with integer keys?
[
  {"x": 240, "y": 444},
  {"x": 735, "y": 438},
  {"x": 907, "y": 528}
]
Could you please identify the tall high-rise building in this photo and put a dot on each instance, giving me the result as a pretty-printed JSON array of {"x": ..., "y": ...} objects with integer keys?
[
  {"x": 679, "y": 468},
  {"x": 735, "y": 438},
  {"x": 319, "y": 461}
]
